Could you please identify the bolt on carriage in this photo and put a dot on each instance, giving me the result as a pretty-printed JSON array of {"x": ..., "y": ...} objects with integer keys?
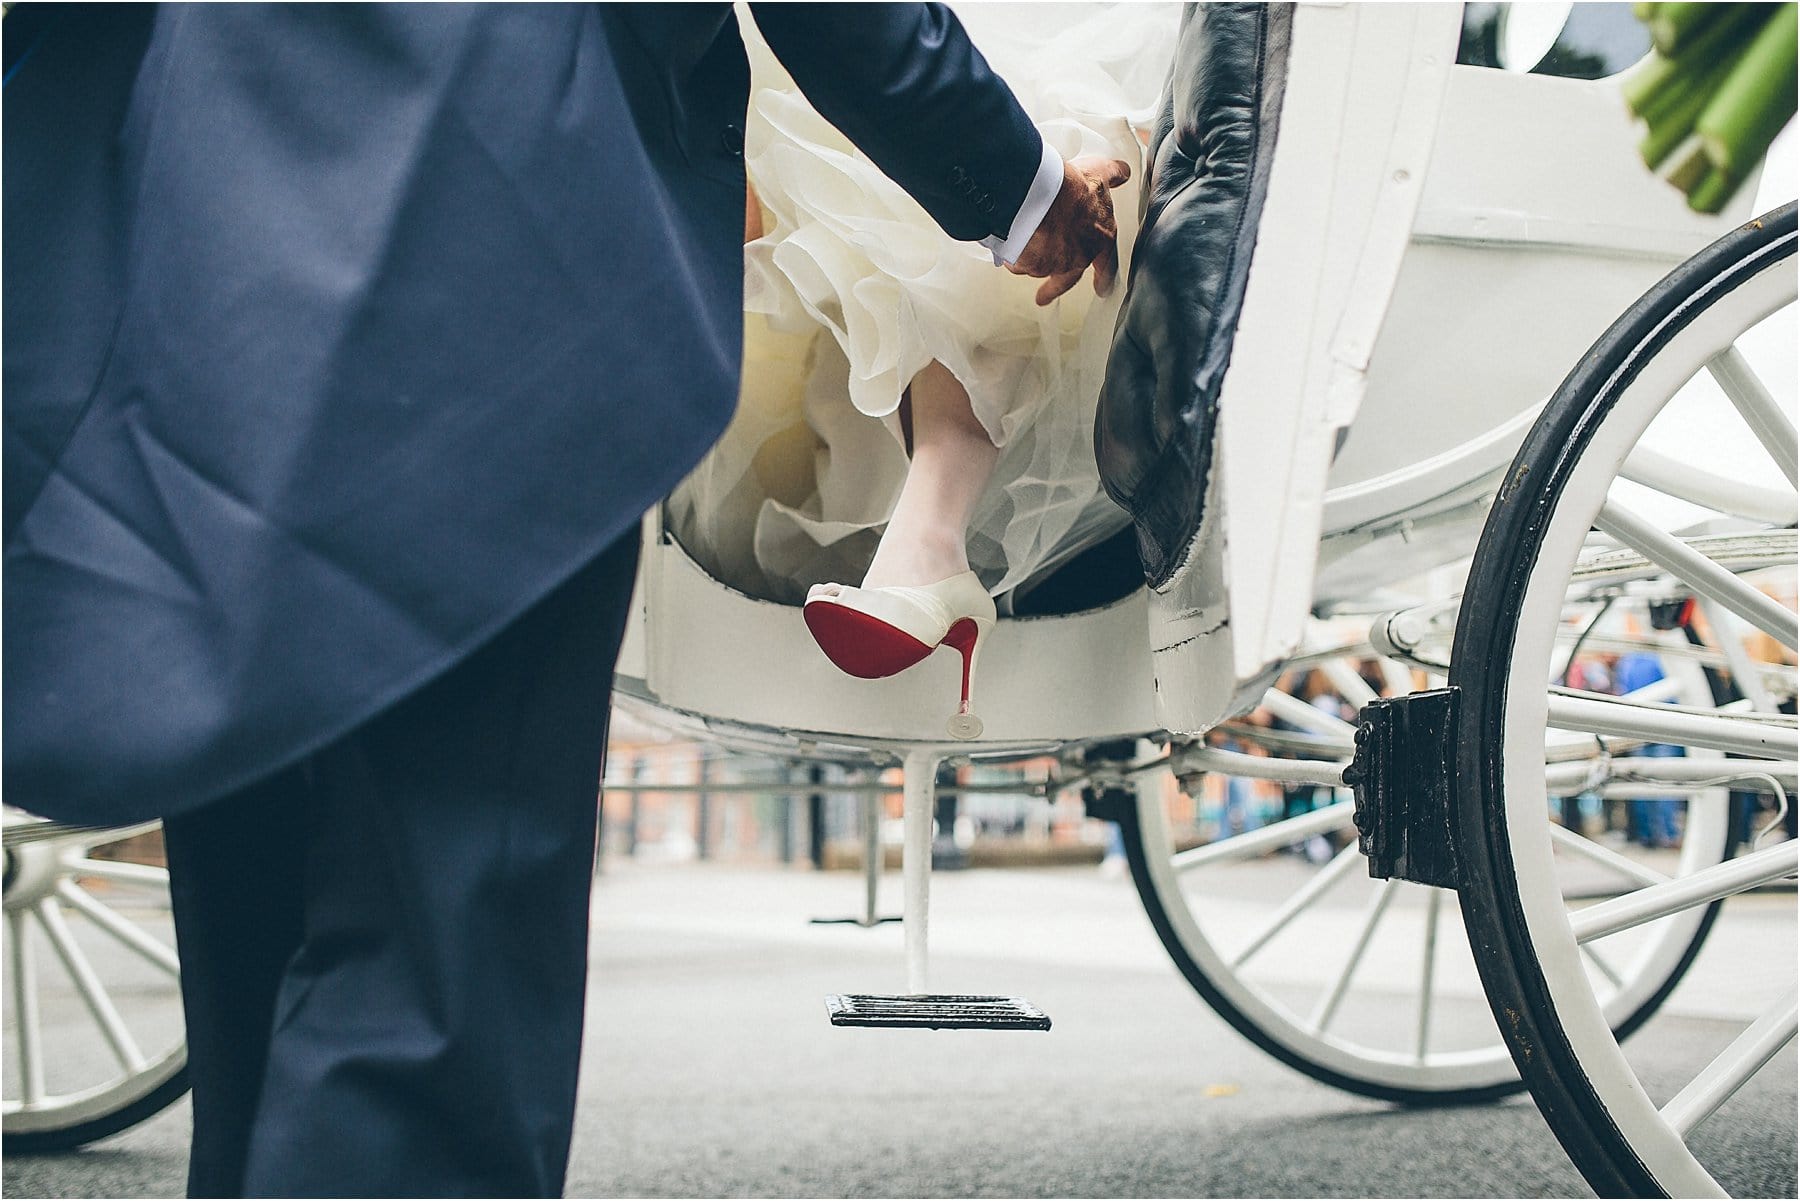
[{"x": 1389, "y": 307}]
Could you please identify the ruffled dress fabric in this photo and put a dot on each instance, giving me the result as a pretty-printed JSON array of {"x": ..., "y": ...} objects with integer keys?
[{"x": 852, "y": 290}]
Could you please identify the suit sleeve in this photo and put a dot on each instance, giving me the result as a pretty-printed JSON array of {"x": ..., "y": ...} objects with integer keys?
[{"x": 907, "y": 86}]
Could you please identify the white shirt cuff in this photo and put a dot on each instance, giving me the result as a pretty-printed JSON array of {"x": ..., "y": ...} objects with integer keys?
[{"x": 1044, "y": 187}]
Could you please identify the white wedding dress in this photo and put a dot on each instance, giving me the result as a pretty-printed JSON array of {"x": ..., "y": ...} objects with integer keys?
[{"x": 852, "y": 290}]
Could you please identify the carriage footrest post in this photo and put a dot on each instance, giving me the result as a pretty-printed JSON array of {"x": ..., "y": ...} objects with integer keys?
[
  {"x": 936, "y": 1011},
  {"x": 1403, "y": 777}
]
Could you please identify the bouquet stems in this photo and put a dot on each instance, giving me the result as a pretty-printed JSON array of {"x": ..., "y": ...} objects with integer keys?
[
  {"x": 1673, "y": 24},
  {"x": 1721, "y": 81},
  {"x": 1664, "y": 78},
  {"x": 1670, "y": 124},
  {"x": 1691, "y": 170},
  {"x": 1756, "y": 98},
  {"x": 1711, "y": 193}
]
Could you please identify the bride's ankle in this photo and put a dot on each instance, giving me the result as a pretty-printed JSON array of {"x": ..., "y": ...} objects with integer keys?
[{"x": 915, "y": 561}]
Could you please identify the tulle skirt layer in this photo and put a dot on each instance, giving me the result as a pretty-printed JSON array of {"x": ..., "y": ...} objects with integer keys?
[{"x": 852, "y": 290}]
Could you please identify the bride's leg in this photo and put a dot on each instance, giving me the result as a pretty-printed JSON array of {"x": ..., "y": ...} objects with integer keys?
[
  {"x": 753, "y": 218},
  {"x": 952, "y": 460}
]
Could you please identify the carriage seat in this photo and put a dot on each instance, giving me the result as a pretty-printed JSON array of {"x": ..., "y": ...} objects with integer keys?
[{"x": 1211, "y": 153}]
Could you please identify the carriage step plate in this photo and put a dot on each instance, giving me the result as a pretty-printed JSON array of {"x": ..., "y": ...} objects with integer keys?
[{"x": 936, "y": 1011}]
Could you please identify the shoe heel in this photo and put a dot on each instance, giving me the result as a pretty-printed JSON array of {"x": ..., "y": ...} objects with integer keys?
[{"x": 966, "y": 637}]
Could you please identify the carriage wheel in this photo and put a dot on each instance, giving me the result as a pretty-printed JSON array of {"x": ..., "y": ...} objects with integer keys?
[
  {"x": 92, "y": 986},
  {"x": 1595, "y": 492},
  {"x": 1394, "y": 1008}
]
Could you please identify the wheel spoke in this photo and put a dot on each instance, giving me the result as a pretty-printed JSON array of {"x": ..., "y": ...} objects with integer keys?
[
  {"x": 1665, "y": 689},
  {"x": 1351, "y": 686},
  {"x": 87, "y": 983},
  {"x": 1267, "y": 838},
  {"x": 1708, "y": 884},
  {"x": 138, "y": 875},
  {"x": 1602, "y": 966},
  {"x": 1297, "y": 712},
  {"x": 1566, "y": 779},
  {"x": 1302, "y": 900},
  {"x": 1398, "y": 680},
  {"x": 1745, "y": 673},
  {"x": 1433, "y": 904},
  {"x": 1757, "y": 738},
  {"x": 1759, "y": 410},
  {"x": 159, "y": 954},
  {"x": 1674, "y": 478},
  {"x": 1699, "y": 572},
  {"x": 30, "y": 1047},
  {"x": 1328, "y": 1005},
  {"x": 1736, "y": 1064},
  {"x": 1589, "y": 849},
  {"x": 28, "y": 831}
]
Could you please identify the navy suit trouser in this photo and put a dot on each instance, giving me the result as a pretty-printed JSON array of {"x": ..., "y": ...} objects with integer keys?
[{"x": 384, "y": 948}]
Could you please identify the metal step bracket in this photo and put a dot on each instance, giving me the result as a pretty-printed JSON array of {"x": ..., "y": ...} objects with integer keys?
[
  {"x": 1403, "y": 778},
  {"x": 919, "y": 1008}
]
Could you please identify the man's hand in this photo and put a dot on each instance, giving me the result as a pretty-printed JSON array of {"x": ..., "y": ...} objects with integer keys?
[{"x": 1078, "y": 229}]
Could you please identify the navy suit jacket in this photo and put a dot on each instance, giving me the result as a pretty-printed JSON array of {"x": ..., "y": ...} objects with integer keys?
[{"x": 336, "y": 336}]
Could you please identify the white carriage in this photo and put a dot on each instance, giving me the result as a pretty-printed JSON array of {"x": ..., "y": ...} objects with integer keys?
[{"x": 1438, "y": 246}]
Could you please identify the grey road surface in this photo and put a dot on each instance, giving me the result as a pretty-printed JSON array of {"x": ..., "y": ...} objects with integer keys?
[{"x": 710, "y": 1069}]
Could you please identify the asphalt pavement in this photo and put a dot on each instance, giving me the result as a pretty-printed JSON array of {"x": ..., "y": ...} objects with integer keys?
[{"x": 710, "y": 1069}]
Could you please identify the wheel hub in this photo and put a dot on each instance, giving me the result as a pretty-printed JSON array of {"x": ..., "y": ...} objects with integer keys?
[{"x": 32, "y": 870}]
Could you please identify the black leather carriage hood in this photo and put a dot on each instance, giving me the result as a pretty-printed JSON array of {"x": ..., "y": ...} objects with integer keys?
[{"x": 1210, "y": 158}]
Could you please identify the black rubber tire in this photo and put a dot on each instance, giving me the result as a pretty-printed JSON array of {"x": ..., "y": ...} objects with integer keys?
[
  {"x": 46, "y": 1142},
  {"x": 1482, "y": 660}
]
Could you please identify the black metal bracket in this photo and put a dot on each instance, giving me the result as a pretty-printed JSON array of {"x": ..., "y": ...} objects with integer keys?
[
  {"x": 1107, "y": 804},
  {"x": 1403, "y": 776}
]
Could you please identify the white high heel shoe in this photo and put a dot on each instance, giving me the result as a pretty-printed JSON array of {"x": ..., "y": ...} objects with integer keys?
[{"x": 875, "y": 632}]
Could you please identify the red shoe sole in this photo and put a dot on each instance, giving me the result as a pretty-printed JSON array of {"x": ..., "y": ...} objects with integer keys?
[{"x": 863, "y": 646}]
